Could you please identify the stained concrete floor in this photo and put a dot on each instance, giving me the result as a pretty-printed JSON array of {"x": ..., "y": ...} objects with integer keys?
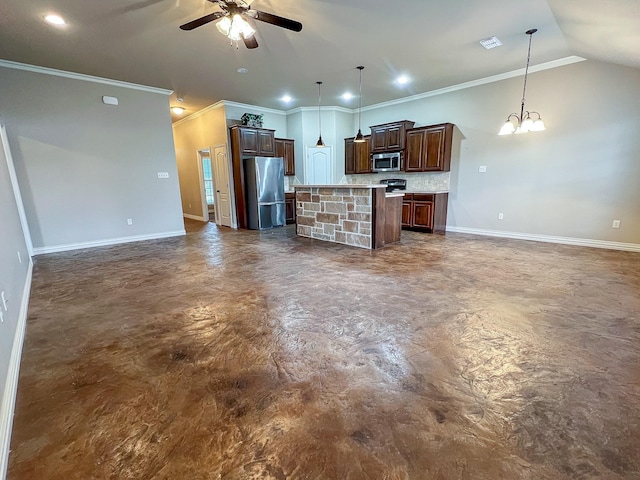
[{"x": 244, "y": 355}]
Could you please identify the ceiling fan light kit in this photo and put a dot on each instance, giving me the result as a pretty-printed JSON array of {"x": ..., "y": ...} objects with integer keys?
[
  {"x": 235, "y": 27},
  {"x": 523, "y": 123}
]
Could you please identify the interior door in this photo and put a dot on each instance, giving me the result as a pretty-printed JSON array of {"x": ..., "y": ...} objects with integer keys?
[
  {"x": 221, "y": 181},
  {"x": 318, "y": 168}
]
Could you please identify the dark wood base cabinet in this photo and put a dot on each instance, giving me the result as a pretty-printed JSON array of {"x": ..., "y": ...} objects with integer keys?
[
  {"x": 290, "y": 207},
  {"x": 425, "y": 211}
]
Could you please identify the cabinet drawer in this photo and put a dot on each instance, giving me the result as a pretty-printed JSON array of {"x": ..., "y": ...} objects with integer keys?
[{"x": 423, "y": 197}]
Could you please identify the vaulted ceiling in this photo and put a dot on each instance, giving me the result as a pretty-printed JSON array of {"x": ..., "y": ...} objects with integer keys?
[{"x": 434, "y": 43}]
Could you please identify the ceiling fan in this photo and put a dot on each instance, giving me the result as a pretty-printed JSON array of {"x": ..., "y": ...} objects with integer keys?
[{"x": 237, "y": 28}]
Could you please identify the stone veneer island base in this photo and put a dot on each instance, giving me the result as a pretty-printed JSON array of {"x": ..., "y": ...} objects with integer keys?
[{"x": 362, "y": 216}]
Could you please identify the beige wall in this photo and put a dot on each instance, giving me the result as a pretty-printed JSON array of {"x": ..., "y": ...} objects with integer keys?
[
  {"x": 571, "y": 180},
  {"x": 198, "y": 132},
  {"x": 84, "y": 167},
  {"x": 13, "y": 277}
]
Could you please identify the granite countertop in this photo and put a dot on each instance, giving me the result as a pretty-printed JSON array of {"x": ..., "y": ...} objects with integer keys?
[
  {"x": 426, "y": 191},
  {"x": 350, "y": 185}
]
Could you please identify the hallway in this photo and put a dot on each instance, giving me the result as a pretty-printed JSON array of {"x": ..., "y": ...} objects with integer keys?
[{"x": 260, "y": 355}]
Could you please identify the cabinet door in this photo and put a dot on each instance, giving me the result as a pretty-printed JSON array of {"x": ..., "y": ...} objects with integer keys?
[
  {"x": 423, "y": 214},
  {"x": 434, "y": 160},
  {"x": 349, "y": 156},
  {"x": 363, "y": 156},
  {"x": 394, "y": 138},
  {"x": 416, "y": 143},
  {"x": 266, "y": 144},
  {"x": 289, "y": 158},
  {"x": 285, "y": 148},
  {"x": 379, "y": 140},
  {"x": 290, "y": 208},
  {"x": 407, "y": 210},
  {"x": 249, "y": 142}
]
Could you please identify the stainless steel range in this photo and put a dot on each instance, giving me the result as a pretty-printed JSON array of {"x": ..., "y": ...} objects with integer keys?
[{"x": 394, "y": 184}]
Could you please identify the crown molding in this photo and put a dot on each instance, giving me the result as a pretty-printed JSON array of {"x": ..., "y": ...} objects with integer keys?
[
  {"x": 481, "y": 81},
  {"x": 82, "y": 76},
  {"x": 199, "y": 113},
  {"x": 253, "y": 107},
  {"x": 324, "y": 109}
]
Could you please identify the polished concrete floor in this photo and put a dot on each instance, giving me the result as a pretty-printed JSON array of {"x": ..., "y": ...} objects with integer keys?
[{"x": 246, "y": 355}]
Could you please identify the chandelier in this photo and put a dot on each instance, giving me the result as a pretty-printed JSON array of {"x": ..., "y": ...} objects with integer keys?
[{"x": 523, "y": 123}]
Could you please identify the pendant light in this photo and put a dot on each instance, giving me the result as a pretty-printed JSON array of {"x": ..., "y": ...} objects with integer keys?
[
  {"x": 359, "y": 138},
  {"x": 320, "y": 143},
  {"x": 523, "y": 123}
]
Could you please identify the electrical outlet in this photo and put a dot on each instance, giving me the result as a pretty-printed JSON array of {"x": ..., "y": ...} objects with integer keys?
[
  {"x": 129, "y": 221},
  {"x": 501, "y": 216},
  {"x": 3, "y": 296},
  {"x": 615, "y": 224},
  {"x": 482, "y": 169},
  {"x": 163, "y": 174}
]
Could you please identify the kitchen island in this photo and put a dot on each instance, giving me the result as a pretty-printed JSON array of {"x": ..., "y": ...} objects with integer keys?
[{"x": 362, "y": 216}]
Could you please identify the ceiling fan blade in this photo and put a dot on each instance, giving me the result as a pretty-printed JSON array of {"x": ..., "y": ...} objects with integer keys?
[
  {"x": 276, "y": 20},
  {"x": 198, "y": 22},
  {"x": 250, "y": 42}
]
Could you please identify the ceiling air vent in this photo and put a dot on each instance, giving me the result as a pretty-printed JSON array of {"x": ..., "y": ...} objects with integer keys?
[{"x": 489, "y": 43}]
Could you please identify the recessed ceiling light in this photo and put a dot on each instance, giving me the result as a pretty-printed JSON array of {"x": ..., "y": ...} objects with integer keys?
[
  {"x": 177, "y": 110},
  {"x": 402, "y": 80},
  {"x": 54, "y": 19},
  {"x": 286, "y": 98},
  {"x": 347, "y": 96},
  {"x": 243, "y": 70},
  {"x": 489, "y": 43}
]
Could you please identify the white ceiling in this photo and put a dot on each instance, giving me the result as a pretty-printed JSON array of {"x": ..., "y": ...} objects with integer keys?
[{"x": 434, "y": 42}]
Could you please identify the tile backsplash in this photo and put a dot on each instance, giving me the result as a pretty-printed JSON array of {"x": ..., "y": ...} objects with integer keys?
[{"x": 416, "y": 182}]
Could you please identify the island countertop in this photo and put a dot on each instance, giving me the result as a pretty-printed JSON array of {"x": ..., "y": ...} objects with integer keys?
[{"x": 346, "y": 185}]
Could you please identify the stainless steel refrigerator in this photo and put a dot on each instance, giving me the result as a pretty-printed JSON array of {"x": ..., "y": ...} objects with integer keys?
[{"x": 264, "y": 188}]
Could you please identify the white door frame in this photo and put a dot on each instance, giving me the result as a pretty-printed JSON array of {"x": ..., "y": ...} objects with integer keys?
[
  {"x": 16, "y": 190},
  {"x": 203, "y": 194},
  {"x": 307, "y": 162}
]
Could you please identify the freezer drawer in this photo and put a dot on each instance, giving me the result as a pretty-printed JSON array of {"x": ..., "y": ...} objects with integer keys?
[{"x": 270, "y": 215}]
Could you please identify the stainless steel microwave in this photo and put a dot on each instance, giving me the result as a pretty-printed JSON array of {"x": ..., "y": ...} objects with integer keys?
[{"x": 386, "y": 162}]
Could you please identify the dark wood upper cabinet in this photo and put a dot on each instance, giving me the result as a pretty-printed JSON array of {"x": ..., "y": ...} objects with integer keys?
[
  {"x": 429, "y": 148},
  {"x": 254, "y": 141},
  {"x": 247, "y": 142},
  {"x": 389, "y": 136},
  {"x": 357, "y": 156},
  {"x": 285, "y": 148}
]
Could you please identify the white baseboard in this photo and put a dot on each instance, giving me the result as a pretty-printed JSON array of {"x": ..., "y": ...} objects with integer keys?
[
  {"x": 11, "y": 385},
  {"x": 104, "y": 243},
  {"x": 194, "y": 217},
  {"x": 582, "y": 242}
]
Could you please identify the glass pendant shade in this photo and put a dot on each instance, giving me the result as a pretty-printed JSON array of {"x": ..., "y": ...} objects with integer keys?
[
  {"x": 319, "y": 143},
  {"x": 508, "y": 128},
  {"x": 538, "y": 126},
  {"x": 359, "y": 137}
]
